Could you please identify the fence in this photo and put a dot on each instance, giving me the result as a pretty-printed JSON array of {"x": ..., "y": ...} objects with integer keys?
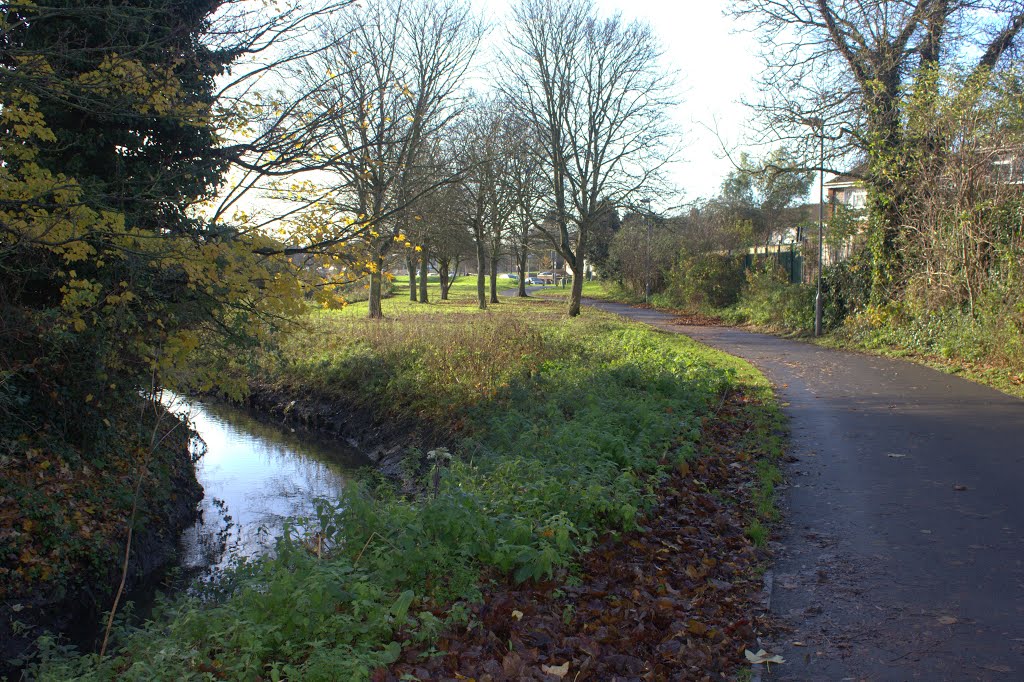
[{"x": 788, "y": 256}]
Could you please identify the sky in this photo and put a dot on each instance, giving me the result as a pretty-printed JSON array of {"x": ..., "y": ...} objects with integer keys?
[{"x": 716, "y": 67}]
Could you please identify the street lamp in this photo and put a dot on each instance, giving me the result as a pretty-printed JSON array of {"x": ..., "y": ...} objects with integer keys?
[
  {"x": 819, "y": 124},
  {"x": 647, "y": 272}
]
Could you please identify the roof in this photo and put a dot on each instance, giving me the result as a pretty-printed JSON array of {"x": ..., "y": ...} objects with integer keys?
[
  {"x": 842, "y": 181},
  {"x": 851, "y": 179}
]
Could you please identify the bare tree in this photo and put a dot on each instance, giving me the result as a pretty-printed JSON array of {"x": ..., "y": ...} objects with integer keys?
[
  {"x": 845, "y": 68},
  {"x": 596, "y": 98},
  {"x": 484, "y": 144},
  {"x": 448, "y": 243},
  {"x": 389, "y": 84},
  {"x": 525, "y": 178}
]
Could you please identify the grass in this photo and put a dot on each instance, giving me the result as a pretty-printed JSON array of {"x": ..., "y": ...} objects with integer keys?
[{"x": 562, "y": 428}]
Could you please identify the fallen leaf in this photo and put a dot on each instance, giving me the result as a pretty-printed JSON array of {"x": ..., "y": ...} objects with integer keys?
[
  {"x": 763, "y": 657},
  {"x": 517, "y": 614},
  {"x": 558, "y": 671},
  {"x": 947, "y": 620},
  {"x": 998, "y": 668},
  {"x": 959, "y": 488},
  {"x": 697, "y": 627},
  {"x": 799, "y": 644},
  {"x": 896, "y": 455}
]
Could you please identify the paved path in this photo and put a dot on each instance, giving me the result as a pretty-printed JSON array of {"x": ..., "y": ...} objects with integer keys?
[{"x": 902, "y": 555}]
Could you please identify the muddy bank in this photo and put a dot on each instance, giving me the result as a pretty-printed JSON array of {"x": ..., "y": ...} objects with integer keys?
[
  {"x": 74, "y": 608},
  {"x": 394, "y": 447}
]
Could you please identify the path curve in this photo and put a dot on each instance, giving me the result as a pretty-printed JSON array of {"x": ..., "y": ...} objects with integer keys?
[{"x": 902, "y": 555}]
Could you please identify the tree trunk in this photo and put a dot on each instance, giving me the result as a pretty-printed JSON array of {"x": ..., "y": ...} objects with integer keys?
[
  {"x": 424, "y": 266},
  {"x": 575, "y": 294},
  {"x": 494, "y": 280},
  {"x": 410, "y": 266},
  {"x": 442, "y": 271},
  {"x": 376, "y": 279},
  {"x": 522, "y": 274},
  {"x": 888, "y": 191},
  {"x": 481, "y": 275}
]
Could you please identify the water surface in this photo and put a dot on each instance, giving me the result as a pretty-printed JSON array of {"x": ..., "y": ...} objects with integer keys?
[{"x": 255, "y": 475}]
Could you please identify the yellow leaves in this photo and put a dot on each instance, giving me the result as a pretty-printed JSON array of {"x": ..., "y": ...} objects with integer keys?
[
  {"x": 76, "y": 251},
  {"x": 145, "y": 88},
  {"x": 21, "y": 114},
  {"x": 78, "y": 296},
  {"x": 117, "y": 299}
]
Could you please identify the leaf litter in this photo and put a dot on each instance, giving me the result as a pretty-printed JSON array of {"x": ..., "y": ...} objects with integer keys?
[{"x": 677, "y": 599}]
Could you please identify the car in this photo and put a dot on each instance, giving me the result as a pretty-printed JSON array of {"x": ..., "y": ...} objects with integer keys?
[{"x": 534, "y": 280}]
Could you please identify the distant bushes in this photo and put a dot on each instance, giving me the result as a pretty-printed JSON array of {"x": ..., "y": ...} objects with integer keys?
[
  {"x": 704, "y": 280},
  {"x": 769, "y": 300},
  {"x": 763, "y": 295}
]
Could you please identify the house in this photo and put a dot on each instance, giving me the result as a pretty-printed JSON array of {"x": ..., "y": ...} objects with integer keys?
[
  {"x": 1008, "y": 165},
  {"x": 845, "y": 190}
]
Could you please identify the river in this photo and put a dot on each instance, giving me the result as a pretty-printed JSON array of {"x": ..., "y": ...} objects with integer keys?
[{"x": 255, "y": 475}]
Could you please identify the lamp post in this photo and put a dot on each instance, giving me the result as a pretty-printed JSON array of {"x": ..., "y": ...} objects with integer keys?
[
  {"x": 647, "y": 267},
  {"x": 819, "y": 124}
]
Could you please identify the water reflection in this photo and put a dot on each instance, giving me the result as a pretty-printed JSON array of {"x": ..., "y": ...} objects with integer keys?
[{"x": 255, "y": 476}]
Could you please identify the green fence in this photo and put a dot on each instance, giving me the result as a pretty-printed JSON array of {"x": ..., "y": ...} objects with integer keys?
[{"x": 788, "y": 257}]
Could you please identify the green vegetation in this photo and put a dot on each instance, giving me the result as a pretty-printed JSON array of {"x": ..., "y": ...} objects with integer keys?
[
  {"x": 67, "y": 511},
  {"x": 107, "y": 280},
  {"x": 984, "y": 345},
  {"x": 768, "y": 300},
  {"x": 560, "y": 430}
]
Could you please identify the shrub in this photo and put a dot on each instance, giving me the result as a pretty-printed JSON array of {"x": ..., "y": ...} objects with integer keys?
[
  {"x": 706, "y": 280},
  {"x": 769, "y": 300},
  {"x": 846, "y": 288}
]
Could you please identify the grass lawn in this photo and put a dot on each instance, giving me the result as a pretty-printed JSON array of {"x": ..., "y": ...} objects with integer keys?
[{"x": 561, "y": 434}]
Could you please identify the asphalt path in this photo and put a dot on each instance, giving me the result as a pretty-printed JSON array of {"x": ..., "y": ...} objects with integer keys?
[{"x": 901, "y": 556}]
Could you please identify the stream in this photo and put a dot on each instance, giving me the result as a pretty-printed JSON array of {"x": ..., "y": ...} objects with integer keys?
[{"x": 255, "y": 475}]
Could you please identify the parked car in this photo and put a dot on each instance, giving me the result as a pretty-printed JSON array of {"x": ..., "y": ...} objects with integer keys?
[{"x": 534, "y": 280}]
